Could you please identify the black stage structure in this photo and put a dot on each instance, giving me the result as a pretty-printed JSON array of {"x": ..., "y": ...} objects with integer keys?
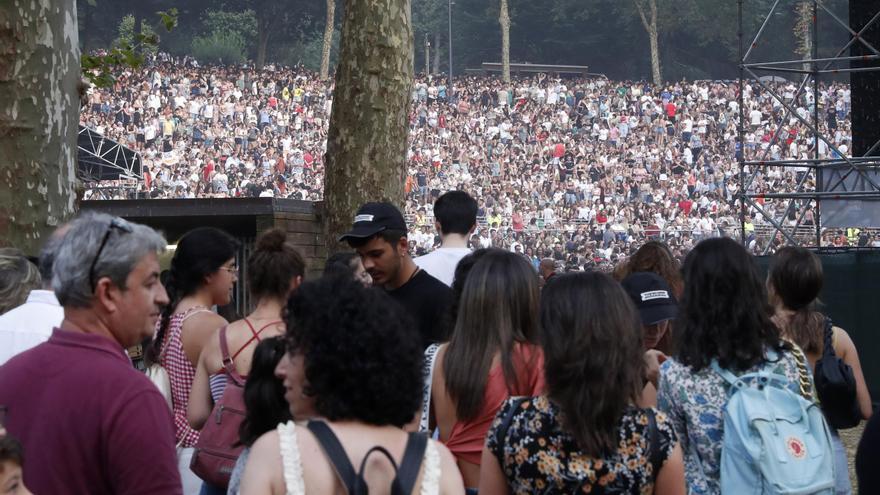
[
  {"x": 843, "y": 191},
  {"x": 105, "y": 166}
]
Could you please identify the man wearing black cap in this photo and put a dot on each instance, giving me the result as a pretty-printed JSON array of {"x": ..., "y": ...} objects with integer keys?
[{"x": 379, "y": 236}]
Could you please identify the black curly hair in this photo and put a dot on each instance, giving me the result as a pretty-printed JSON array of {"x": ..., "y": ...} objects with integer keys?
[
  {"x": 363, "y": 360},
  {"x": 264, "y": 400},
  {"x": 724, "y": 313}
]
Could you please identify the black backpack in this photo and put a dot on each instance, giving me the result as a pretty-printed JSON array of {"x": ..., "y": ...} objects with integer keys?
[
  {"x": 354, "y": 482},
  {"x": 836, "y": 386}
]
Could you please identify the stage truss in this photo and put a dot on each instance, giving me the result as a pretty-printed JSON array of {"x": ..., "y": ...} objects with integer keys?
[{"x": 819, "y": 178}]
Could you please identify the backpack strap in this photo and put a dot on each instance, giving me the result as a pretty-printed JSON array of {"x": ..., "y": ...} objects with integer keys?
[
  {"x": 654, "y": 438},
  {"x": 726, "y": 375},
  {"x": 228, "y": 363},
  {"x": 361, "y": 487},
  {"x": 411, "y": 463},
  {"x": 334, "y": 451}
]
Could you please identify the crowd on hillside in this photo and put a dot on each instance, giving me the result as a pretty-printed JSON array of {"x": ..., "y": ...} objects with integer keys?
[
  {"x": 462, "y": 371},
  {"x": 588, "y": 161}
]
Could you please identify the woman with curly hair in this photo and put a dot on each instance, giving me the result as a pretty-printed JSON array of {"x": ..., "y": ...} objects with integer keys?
[
  {"x": 350, "y": 362},
  {"x": 724, "y": 316},
  {"x": 793, "y": 283},
  {"x": 585, "y": 434},
  {"x": 274, "y": 270},
  {"x": 492, "y": 355},
  {"x": 202, "y": 275}
]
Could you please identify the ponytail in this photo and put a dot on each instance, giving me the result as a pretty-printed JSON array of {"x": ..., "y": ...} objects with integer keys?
[{"x": 154, "y": 348}]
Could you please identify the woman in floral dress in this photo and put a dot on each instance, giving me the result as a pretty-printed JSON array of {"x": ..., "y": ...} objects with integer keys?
[{"x": 585, "y": 434}]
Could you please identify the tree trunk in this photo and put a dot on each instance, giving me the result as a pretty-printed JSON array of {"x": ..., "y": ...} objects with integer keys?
[
  {"x": 328, "y": 39},
  {"x": 803, "y": 31},
  {"x": 650, "y": 25},
  {"x": 137, "y": 31},
  {"x": 504, "y": 20},
  {"x": 436, "y": 53},
  {"x": 366, "y": 143},
  {"x": 39, "y": 111},
  {"x": 262, "y": 42}
]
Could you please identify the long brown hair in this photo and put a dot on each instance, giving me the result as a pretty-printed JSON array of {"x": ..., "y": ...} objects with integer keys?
[
  {"x": 654, "y": 256},
  {"x": 796, "y": 279},
  {"x": 592, "y": 340},
  {"x": 498, "y": 309}
]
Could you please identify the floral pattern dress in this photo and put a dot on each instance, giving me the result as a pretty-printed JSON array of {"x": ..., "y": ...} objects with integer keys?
[
  {"x": 694, "y": 402},
  {"x": 538, "y": 456}
]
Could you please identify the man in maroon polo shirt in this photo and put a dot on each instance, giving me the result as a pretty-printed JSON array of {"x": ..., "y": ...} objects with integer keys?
[{"x": 88, "y": 421}]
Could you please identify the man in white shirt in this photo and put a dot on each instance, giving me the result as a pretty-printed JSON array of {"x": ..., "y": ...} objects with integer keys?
[
  {"x": 31, "y": 324},
  {"x": 455, "y": 215}
]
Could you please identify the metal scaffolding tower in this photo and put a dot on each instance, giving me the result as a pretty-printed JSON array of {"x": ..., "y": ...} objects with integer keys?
[{"x": 838, "y": 179}]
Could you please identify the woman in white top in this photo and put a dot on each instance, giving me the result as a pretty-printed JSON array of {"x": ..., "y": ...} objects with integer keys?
[{"x": 352, "y": 359}]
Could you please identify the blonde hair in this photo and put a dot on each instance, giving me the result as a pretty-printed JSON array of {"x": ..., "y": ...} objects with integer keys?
[{"x": 18, "y": 276}]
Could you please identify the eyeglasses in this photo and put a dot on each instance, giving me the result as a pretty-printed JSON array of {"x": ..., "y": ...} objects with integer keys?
[
  {"x": 118, "y": 224},
  {"x": 233, "y": 270}
]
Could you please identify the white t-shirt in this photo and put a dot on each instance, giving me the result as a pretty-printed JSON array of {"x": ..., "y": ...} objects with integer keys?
[
  {"x": 30, "y": 324},
  {"x": 441, "y": 263}
]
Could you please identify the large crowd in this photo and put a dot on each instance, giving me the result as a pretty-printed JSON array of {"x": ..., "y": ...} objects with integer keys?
[
  {"x": 587, "y": 165},
  {"x": 458, "y": 372}
]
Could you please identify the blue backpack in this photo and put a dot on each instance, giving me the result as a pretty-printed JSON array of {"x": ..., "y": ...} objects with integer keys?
[{"x": 775, "y": 440}]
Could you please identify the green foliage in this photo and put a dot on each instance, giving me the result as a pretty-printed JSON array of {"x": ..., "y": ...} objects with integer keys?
[
  {"x": 307, "y": 51},
  {"x": 243, "y": 23},
  {"x": 128, "y": 37},
  {"x": 127, "y": 51},
  {"x": 219, "y": 48}
]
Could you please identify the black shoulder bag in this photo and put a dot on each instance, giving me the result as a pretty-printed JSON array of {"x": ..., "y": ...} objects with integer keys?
[{"x": 836, "y": 386}]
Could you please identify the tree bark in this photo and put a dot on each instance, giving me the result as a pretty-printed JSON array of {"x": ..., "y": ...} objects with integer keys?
[
  {"x": 328, "y": 39},
  {"x": 262, "y": 42},
  {"x": 803, "y": 31},
  {"x": 367, "y": 139},
  {"x": 650, "y": 25},
  {"x": 436, "y": 53},
  {"x": 504, "y": 20},
  {"x": 39, "y": 113}
]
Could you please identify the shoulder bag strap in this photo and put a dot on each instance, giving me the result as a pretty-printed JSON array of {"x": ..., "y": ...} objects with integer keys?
[
  {"x": 803, "y": 373},
  {"x": 428, "y": 371},
  {"x": 411, "y": 464},
  {"x": 508, "y": 418},
  {"x": 228, "y": 362},
  {"x": 828, "y": 344},
  {"x": 654, "y": 438},
  {"x": 335, "y": 453}
]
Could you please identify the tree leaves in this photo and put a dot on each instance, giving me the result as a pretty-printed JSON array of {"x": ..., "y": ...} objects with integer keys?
[{"x": 100, "y": 69}]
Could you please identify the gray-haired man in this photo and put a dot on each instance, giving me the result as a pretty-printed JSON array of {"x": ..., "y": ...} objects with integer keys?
[{"x": 88, "y": 421}]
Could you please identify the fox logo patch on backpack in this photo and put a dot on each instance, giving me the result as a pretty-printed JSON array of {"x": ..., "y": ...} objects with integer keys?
[{"x": 775, "y": 440}]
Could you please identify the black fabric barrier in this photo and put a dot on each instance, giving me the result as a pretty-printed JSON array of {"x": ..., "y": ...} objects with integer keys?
[{"x": 851, "y": 297}]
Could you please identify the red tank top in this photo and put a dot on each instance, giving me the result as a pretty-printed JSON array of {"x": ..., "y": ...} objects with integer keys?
[{"x": 467, "y": 437}]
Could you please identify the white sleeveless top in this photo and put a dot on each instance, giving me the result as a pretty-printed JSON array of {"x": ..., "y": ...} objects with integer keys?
[{"x": 293, "y": 469}]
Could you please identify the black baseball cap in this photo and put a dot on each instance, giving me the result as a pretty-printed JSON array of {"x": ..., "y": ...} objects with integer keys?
[
  {"x": 373, "y": 218},
  {"x": 652, "y": 296}
]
